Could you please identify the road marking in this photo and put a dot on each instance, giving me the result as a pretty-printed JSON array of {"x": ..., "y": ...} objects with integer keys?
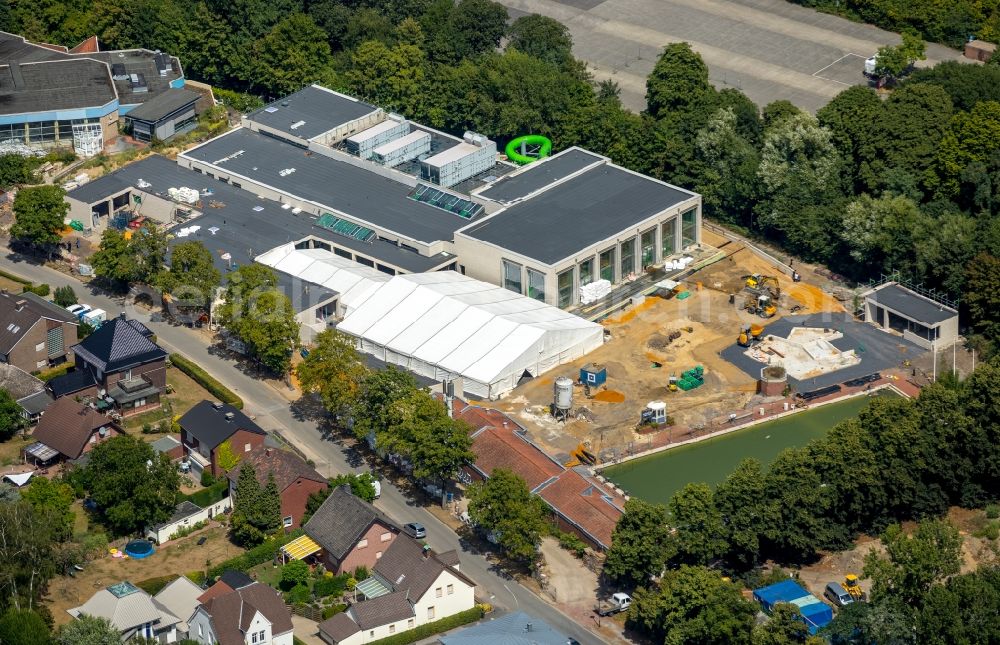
[{"x": 818, "y": 73}]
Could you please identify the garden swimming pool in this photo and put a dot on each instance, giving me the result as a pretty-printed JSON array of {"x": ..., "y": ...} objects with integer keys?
[
  {"x": 657, "y": 477},
  {"x": 139, "y": 549}
]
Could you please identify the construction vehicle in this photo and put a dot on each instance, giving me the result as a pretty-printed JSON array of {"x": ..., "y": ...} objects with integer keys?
[
  {"x": 750, "y": 333},
  {"x": 618, "y": 603},
  {"x": 758, "y": 284},
  {"x": 853, "y": 586},
  {"x": 761, "y": 305},
  {"x": 581, "y": 455}
]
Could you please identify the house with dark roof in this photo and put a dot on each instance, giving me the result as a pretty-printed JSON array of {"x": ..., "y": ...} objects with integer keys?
[
  {"x": 296, "y": 480},
  {"x": 34, "y": 333},
  {"x": 68, "y": 430},
  {"x": 350, "y": 531},
  {"x": 410, "y": 586},
  {"x": 28, "y": 391},
  {"x": 208, "y": 425},
  {"x": 249, "y": 615},
  {"x": 119, "y": 366}
]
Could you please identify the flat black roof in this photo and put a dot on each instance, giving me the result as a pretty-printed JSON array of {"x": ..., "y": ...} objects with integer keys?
[
  {"x": 247, "y": 225},
  {"x": 54, "y": 85},
  {"x": 539, "y": 175},
  {"x": 163, "y": 105},
  {"x": 361, "y": 194},
  {"x": 319, "y": 108},
  {"x": 587, "y": 209},
  {"x": 912, "y": 305}
]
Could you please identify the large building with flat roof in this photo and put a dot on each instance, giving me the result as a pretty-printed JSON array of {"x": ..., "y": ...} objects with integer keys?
[{"x": 54, "y": 97}]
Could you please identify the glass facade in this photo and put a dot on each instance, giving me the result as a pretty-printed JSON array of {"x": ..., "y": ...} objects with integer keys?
[
  {"x": 627, "y": 257},
  {"x": 586, "y": 272},
  {"x": 689, "y": 227},
  {"x": 669, "y": 237},
  {"x": 607, "y": 260},
  {"x": 565, "y": 284},
  {"x": 536, "y": 285},
  {"x": 44, "y": 132},
  {"x": 512, "y": 276},
  {"x": 647, "y": 242}
]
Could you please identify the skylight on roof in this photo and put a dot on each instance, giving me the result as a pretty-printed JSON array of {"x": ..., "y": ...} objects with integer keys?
[
  {"x": 270, "y": 109},
  {"x": 464, "y": 208},
  {"x": 122, "y": 589}
]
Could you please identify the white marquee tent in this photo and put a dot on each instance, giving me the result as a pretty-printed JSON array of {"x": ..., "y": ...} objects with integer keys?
[{"x": 447, "y": 325}]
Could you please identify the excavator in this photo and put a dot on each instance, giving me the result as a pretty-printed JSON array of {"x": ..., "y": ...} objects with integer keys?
[
  {"x": 750, "y": 333},
  {"x": 761, "y": 305},
  {"x": 758, "y": 283},
  {"x": 853, "y": 586}
]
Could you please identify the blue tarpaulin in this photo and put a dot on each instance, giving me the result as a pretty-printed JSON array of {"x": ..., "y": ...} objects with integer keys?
[{"x": 814, "y": 611}]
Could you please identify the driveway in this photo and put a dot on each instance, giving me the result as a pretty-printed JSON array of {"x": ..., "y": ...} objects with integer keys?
[
  {"x": 768, "y": 49},
  {"x": 303, "y": 428}
]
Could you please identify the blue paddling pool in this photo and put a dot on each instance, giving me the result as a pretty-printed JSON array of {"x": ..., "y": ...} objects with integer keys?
[{"x": 139, "y": 549}]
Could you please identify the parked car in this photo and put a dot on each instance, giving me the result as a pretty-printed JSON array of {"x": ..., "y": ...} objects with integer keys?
[
  {"x": 836, "y": 594},
  {"x": 619, "y": 602},
  {"x": 415, "y": 530},
  {"x": 74, "y": 309}
]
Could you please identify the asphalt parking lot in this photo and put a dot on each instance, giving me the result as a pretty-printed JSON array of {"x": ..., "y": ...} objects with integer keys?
[{"x": 769, "y": 49}]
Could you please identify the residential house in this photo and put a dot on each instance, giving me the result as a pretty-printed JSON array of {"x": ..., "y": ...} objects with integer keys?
[
  {"x": 26, "y": 390},
  {"x": 253, "y": 614},
  {"x": 208, "y": 425},
  {"x": 131, "y": 611},
  {"x": 350, "y": 531},
  {"x": 68, "y": 430},
  {"x": 34, "y": 333},
  {"x": 119, "y": 366},
  {"x": 228, "y": 582},
  {"x": 180, "y": 598},
  {"x": 410, "y": 586},
  {"x": 296, "y": 480}
]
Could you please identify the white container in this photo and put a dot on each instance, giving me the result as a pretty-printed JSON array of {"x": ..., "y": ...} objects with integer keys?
[
  {"x": 563, "y": 394},
  {"x": 403, "y": 149},
  {"x": 95, "y": 317},
  {"x": 363, "y": 143}
]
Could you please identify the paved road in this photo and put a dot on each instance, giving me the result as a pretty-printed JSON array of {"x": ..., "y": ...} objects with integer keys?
[
  {"x": 273, "y": 412},
  {"x": 769, "y": 49}
]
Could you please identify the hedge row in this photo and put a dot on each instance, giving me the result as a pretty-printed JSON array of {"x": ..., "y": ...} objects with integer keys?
[
  {"x": 15, "y": 278},
  {"x": 208, "y": 496},
  {"x": 429, "y": 629},
  {"x": 58, "y": 370},
  {"x": 258, "y": 555},
  {"x": 205, "y": 380}
]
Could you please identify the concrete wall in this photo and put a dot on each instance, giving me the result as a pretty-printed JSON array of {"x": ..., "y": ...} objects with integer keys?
[{"x": 484, "y": 261}]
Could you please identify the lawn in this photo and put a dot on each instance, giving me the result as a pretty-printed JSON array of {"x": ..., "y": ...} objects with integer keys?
[
  {"x": 10, "y": 450},
  {"x": 184, "y": 394}
]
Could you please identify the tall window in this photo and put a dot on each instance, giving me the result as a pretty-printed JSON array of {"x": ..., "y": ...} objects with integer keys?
[
  {"x": 648, "y": 244},
  {"x": 536, "y": 284},
  {"x": 607, "y": 260},
  {"x": 627, "y": 255},
  {"x": 586, "y": 271},
  {"x": 565, "y": 284},
  {"x": 689, "y": 227},
  {"x": 669, "y": 237},
  {"x": 512, "y": 276}
]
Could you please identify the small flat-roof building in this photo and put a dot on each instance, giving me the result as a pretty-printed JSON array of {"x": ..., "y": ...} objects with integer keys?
[
  {"x": 164, "y": 116},
  {"x": 920, "y": 319}
]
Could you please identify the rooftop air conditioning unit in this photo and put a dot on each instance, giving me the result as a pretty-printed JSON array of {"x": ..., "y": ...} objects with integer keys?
[
  {"x": 230, "y": 416},
  {"x": 217, "y": 405}
]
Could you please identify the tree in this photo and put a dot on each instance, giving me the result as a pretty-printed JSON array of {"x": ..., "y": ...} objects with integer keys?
[
  {"x": 503, "y": 506},
  {"x": 728, "y": 181},
  {"x": 914, "y": 563},
  {"x": 88, "y": 630},
  {"x": 784, "y": 626},
  {"x": 27, "y": 538},
  {"x": 693, "y": 605},
  {"x": 700, "y": 535},
  {"x": 377, "y": 400},
  {"x": 639, "y": 544},
  {"x": 257, "y": 313},
  {"x": 973, "y": 137},
  {"x": 895, "y": 61},
  {"x": 967, "y": 85},
  {"x": 132, "y": 486},
  {"x": 39, "y": 213},
  {"x": 477, "y": 27},
  {"x": 854, "y": 118},
  {"x": 16, "y": 169},
  {"x": 678, "y": 84},
  {"x": 64, "y": 296},
  {"x": 294, "y": 53},
  {"x": 914, "y": 120},
  {"x": 225, "y": 458},
  {"x": 746, "y": 512},
  {"x": 23, "y": 627},
  {"x": 52, "y": 499},
  {"x": 391, "y": 77},
  {"x": 11, "y": 420},
  {"x": 801, "y": 525},
  {"x": 542, "y": 37},
  {"x": 436, "y": 445},
  {"x": 256, "y": 510},
  {"x": 334, "y": 371},
  {"x": 133, "y": 256},
  {"x": 192, "y": 277},
  {"x": 880, "y": 234},
  {"x": 362, "y": 485},
  {"x": 294, "y": 573}
]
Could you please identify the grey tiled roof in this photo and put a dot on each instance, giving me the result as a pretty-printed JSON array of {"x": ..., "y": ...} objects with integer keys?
[
  {"x": 383, "y": 610},
  {"x": 341, "y": 521},
  {"x": 119, "y": 344},
  {"x": 408, "y": 568}
]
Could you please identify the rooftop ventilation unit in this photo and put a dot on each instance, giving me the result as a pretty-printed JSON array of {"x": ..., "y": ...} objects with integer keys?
[{"x": 297, "y": 125}]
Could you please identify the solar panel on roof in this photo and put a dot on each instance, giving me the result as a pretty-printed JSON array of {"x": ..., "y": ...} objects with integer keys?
[
  {"x": 464, "y": 208},
  {"x": 345, "y": 228}
]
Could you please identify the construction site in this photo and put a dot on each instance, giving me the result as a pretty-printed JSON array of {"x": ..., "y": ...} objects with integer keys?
[{"x": 687, "y": 360}]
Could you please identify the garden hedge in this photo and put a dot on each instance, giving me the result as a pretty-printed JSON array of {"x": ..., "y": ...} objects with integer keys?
[
  {"x": 258, "y": 555},
  {"x": 15, "y": 278},
  {"x": 205, "y": 380},
  {"x": 429, "y": 629},
  {"x": 208, "y": 496}
]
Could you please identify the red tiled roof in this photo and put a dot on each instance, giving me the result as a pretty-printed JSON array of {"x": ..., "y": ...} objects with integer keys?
[
  {"x": 585, "y": 503},
  {"x": 503, "y": 448},
  {"x": 67, "y": 426},
  {"x": 218, "y": 589},
  {"x": 285, "y": 465}
]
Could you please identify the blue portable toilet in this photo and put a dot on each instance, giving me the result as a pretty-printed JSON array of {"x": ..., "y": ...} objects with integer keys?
[
  {"x": 593, "y": 375},
  {"x": 815, "y": 612}
]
